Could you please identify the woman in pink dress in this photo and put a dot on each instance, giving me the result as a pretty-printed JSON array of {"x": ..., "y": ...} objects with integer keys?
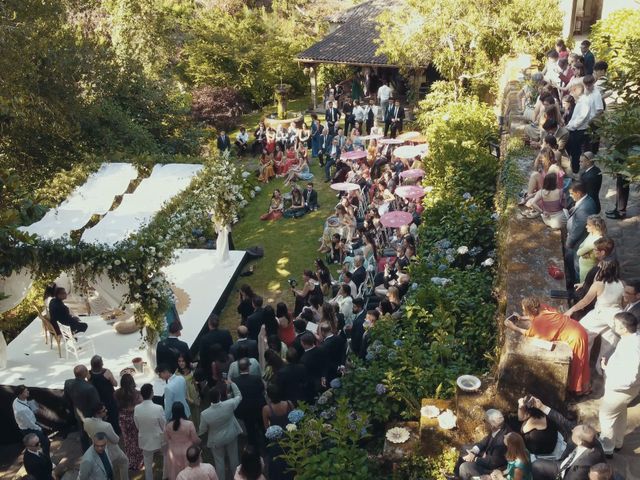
[{"x": 180, "y": 434}]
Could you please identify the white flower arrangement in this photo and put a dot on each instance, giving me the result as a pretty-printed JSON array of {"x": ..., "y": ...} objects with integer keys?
[
  {"x": 488, "y": 262},
  {"x": 463, "y": 250},
  {"x": 398, "y": 435},
  {"x": 291, "y": 427}
]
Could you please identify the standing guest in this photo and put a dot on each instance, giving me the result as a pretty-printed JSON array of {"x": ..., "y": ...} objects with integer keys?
[
  {"x": 347, "y": 112},
  {"x": 587, "y": 258},
  {"x": 332, "y": 156},
  {"x": 179, "y": 434},
  {"x": 384, "y": 93},
  {"x": 310, "y": 197},
  {"x": 196, "y": 470},
  {"x": 83, "y": 398},
  {"x": 292, "y": 379},
  {"x": 568, "y": 106},
  {"x": 622, "y": 382},
  {"x": 357, "y": 327},
  {"x": 632, "y": 298},
  {"x": 127, "y": 397},
  {"x": 335, "y": 349},
  {"x": 224, "y": 142},
  {"x": 550, "y": 325},
  {"x": 578, "y": 125},
  {"x": 607, "y": 291},
  {"x": 251, "y": 466},
  {"x": 591, "y": 177},
  {"x": 36, "y": 461},
  {"x": 169, "y": 349},
  {"x": 256, "y": 319},
  {"x": 222, "y": 429},
  {"x": 95, "y": 463},
  {"x": 215, "y": 335},
  {"x": 310, "y": 288},
  {"x": 286, "y": 332},
  {"x": 254, "y": 364},
  {"x": 175, "y": 390},
  {"x": 24, "y": 412},
  {"x": 370, "y": 320},
  {"x": 104, "y": 381},
  {"x": 587, "y": 55},
  {"x": 276, "y": 413},
  {"x": 260, "y": 136},
  {"x": 59, "y": 313},
  {"x": 245, "y": 307},
  {"x": 316, "y": 133},
  {"x": 193, "y": 392},
  {"x": 315, "y": 361},
  {"x": 358, "y": 113},
  {"x": 576, "y": 229},
  {"x": 561, "y": 48},
  {"x": 324, "y": 146},
  {"x": 248, "y": 411},
  {"x": 242, "y": 141},
  {"x": 250, "y": 344},
  {"x": 98, "y": 424},
  {"x": 370, "y": 114},
  {"x": 487, "y": 455},
  {"x": 394, "y": 120},
  {"x": 150, "y": 421},
  {"x": 331, "y": 116}
]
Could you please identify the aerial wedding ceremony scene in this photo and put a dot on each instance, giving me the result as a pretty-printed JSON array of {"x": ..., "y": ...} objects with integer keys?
[{"x": 320, "y": 240}]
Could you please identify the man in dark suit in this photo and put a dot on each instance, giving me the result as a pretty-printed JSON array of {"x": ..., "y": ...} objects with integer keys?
[
  {"x": 256, "y": 319},
  {"x": 325, "y": 146},
  {"x": 332, "y": 116},
  {"x": 335, "y": 349},
  {"x": 332, "y": 156},
  {"x": 224, "y": 142},
  {"x": 60, "y": 313},
  {"x": 243, "y": 340},
  {"x": 632, "y": 298},
  {"x": 214, "y": 336},
  {"x": 619, "y": 211},
  {"x": 250, "y": 408},
  {"x": 36, "y": 462},
  {"x": 359, "y": 273},
  {"x": 487, "y": 455},
  {"x": 169, "y": 349},
  {"x": 357, "y": 327},
  {"x": 310, "y": 197},
  {"x": 591, "y": 177},
  {"x": 394, "y": 119},
  {"x": 315, "y": 360},
  {"x": 582, "y": 452},
  {"x": 292, "y": 379},
  {"x": 83, "y": 399},
  {"x": 299, "y": 327},
  {"x": 369, "y": 115},
  {"x": 576, "y": 230},
  {"x": 370, "y": 320}
]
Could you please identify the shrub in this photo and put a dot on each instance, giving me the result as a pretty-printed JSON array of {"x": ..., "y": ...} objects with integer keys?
[{"x": 219, "y": 107}]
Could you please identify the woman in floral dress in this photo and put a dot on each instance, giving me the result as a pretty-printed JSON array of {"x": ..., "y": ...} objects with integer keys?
[{"x": 127, "y": 397}]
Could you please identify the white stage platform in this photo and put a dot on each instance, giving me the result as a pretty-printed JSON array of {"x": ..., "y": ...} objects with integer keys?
[{"x": 196, "y": 272}]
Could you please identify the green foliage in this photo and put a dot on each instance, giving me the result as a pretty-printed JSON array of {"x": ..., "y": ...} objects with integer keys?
[
  {"x": 326, "y": 447},
  {"x": 617, "y": 41},
  {"x": 417, "y": 467},
  {"x": 467, "y": 38}
]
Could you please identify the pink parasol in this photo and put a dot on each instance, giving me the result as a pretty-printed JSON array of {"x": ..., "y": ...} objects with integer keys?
[
  {"x": 396, "y": 219},
  {"x": 413, "y": 173},
  {"x": 353, "y": 155},
  {"x": 410, "y": 191},
  {"x": 345, "y": 186},
  {"x": 390, "y": 141}
]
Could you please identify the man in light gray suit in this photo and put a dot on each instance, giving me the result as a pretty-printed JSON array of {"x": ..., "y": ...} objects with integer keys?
[
  {"x": 96, "y": 424},
  {"x": 95, "y": 463},
  {"x": 576, "y": 230},
  {"x": 150, "y": 421},
  {"x": 223, "y": 428}
]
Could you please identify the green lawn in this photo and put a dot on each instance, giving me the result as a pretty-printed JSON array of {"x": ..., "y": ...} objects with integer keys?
[{"x": 290, "y": 245}]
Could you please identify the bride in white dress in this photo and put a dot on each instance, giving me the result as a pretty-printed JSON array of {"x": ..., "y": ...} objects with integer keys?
[{"x": 607, "y": 290}]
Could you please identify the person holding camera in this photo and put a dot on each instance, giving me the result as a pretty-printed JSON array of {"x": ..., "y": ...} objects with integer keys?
[
  {"x": 539, "y": 433},
  {"x": 310, "y": 286}
]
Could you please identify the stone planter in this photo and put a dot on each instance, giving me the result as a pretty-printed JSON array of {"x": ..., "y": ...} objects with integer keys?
[{"x": 281, "y": 93}]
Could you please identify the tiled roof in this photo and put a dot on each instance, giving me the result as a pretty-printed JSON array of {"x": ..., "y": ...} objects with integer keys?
[{"x": 362, "y": 11}]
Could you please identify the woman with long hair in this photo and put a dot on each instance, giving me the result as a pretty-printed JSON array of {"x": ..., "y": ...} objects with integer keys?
[
  {"x": 251, "y": 465},
  {"x": 518, "y": 460},
  {"x": 607, "y": 290},
  {"x": 193, "y": 395},
  {"x": 596, "y": 229},
  {"x": 276, "y": 412},
  {"x": 310, "y": 287},
  {"x": 245, "y": 307},
  {"x": 269, "y": 328},
  {"x": 297, "y": 209},
  {"x": 180, "y": 434},
  {"x": 539, "y": 433},
  {"x": 276, "y": 207},
  {"x": 549, "y": 202},
  {"x": 127, "y": 397},
  {"x": 544, "y": 164},
  {"x": 266, "y": 168},
  {"x": 286, "y": 331},
  {"x": 324, "y": 276}
]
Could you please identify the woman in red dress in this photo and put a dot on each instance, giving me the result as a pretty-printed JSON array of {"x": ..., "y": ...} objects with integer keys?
[
  {"x": 290, "y": 160},
  {"x": 550, "y": 325},
  {"x": 285, "y": 324},
  {"x": 278, "y": 161},
  {"x": 271, "y": 140}
]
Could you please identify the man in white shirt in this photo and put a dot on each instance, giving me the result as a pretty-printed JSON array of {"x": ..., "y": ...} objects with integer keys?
[
  {"x": 150, "y": 422},
  {"x": 384, "y": 93},
  {"x": 551, "y": 70},
  {"x": 242, "y": 141},
  {"x": 358, "y": 114},
  {"x": 24, "y": 411},
  {"x": 622, "y": 382},
  {"x": 578, "y": 125}
]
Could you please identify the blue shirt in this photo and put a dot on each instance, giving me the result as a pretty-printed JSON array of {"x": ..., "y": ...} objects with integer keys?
[{"x": 175, "y": 391}]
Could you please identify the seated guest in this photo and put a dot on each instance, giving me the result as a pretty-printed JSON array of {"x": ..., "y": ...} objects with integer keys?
[
  {"x": 60, "y": 313},
  {"x": 242, "y": 141},
  {"x": 487, "y": 455},
  {"x": 518, "y": 460},
  {"x": 602, "y": 471},
  {"x": 276, "y": 207},
  {"x": 310, "y": 287},
  {"x": 296, "y": 210},
  {"x": 549, "y": 201},
  {"x": 337, "y": 249},
  {"x": 266, "y": 167},
  {"x": 544, "y": 164},
  {"x": 344, "y": 301},
  {"x": 310, "y": 197},
  {"x": 582, "y": 452},
  {"x": 539, "y": 433},
  {"x": 550, "y": 325},
  {"x": 260, "y": 138}
]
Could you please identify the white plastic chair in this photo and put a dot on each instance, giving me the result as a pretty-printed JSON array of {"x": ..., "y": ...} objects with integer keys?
[{"x": 72, "y": 345}]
